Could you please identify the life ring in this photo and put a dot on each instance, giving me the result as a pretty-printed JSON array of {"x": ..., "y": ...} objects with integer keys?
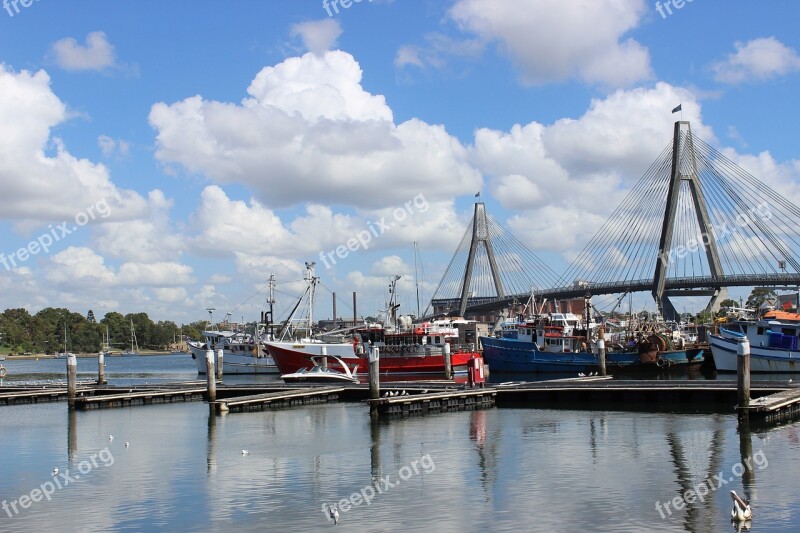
[{"x": 3, "y": 372}]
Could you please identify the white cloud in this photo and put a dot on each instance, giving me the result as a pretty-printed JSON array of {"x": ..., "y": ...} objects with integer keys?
[
  {"x": 553, "y": 41},
  {"x": 757, "y": 60},
  {"x": 36, "y": 187},
  {"x": 96, "y": 54},
  {"x": 318, "y": 36},
  {"x": 110, "y": 146},
  {"x": 310, "y": 133}
]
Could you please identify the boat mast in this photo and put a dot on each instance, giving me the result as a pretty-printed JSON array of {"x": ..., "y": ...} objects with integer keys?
[
  {"x": 416, "y": 279},
  {"x": 312, "y": 284}
]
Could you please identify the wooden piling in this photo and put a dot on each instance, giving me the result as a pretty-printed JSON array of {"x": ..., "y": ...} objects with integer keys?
[
  {"x": 743, "y": 376},
  {"x": 72, "y": 379},
  {"x": 601, "y": 349},
  {"x": 211, "y": 380},
  {"x": 448, "y": 366},
  {"x": 219, "y": 364},
  {"x": 374, "y": 378},
  {"x": 323, "y": 351},
  {"x": 101, "y": 368}
]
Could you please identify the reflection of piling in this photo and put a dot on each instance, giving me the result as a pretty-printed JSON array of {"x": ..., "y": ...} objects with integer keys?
[
  {"x": 212, "y": 442},
  {"x": 746, "y": 454},
  {"x": 743, "y": 376},
  {"x": 212, "y": 382},
  {"x": 72, "y": 379},
  {"x": 375, "y": 449},
  {"x": 101, "y": 368},
  {"x": 374, "y": 378},
  {"x": 219, "y": 364},
  {"x": 72, "y": 434},
  {"x": 448, "y": 366},
  {"x": 601, "y": 349}
]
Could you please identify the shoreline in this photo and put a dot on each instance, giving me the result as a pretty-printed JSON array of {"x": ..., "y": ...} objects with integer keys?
[{"x": 80, "y": 356}]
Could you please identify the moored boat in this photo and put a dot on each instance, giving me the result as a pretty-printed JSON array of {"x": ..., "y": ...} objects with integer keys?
[
  {"x": 321, "y": 372},
  {"x": 773, "y": 343}
]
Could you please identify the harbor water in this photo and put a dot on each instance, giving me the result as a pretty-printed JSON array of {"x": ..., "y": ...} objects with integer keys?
[{"x": 174, "y": 467}]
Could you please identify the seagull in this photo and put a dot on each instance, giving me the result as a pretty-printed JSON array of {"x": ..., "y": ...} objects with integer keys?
[
  {"x": 741, "y": 508},
  {"x": 245, "y": 452},
  {"x": 424, "y": 391},
  {"x": 581, "y": 375},
  {"x": 333, "y": 512},
  {"x": 110, "y": 438},
  {"x": 127, "y": 444},
  {"x": 55, "y": 471}
]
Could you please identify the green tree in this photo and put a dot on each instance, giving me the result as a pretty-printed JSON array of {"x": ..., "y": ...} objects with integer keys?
[{"x": 759, "y": 296}]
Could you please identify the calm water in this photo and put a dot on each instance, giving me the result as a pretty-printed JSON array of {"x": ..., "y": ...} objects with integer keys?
[{"x": 492, "y": 470}]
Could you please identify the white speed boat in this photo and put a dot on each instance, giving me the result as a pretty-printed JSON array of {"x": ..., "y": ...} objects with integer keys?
[{"x": 320, "y": 373}]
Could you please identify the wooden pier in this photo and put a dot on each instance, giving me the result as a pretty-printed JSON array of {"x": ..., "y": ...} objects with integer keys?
[
  {"x": 774, "y": 408},
  {"x": 139, "y": 397},
  {"x": 284, "y": 398},
  {"x": 446, "y": 400}
]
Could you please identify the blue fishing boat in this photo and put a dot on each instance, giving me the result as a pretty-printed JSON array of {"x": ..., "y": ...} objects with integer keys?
[{"x": 555, "y": 344}]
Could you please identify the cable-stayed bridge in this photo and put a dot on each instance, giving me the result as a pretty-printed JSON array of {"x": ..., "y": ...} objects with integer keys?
[{"x": 694, "y": 224}]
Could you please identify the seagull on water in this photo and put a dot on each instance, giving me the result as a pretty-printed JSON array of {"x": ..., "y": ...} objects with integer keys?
[
  {"x": 245, "y": 452},
  {"x": 110, "y": 438},
  {"x": 333, "y": 512},
  {"x": 55, "y": 471},
  {"x": 127, "y": 444},
  {"x": 741, "y": 508}
]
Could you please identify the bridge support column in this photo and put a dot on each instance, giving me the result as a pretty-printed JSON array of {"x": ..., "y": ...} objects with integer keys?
[{"x": 714, "y": 304}]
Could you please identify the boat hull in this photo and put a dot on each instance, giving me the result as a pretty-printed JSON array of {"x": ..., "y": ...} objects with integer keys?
[
  {"x": 669, "y": 360},
  {"x": 511, "y": 355},
  {"x": 291, "y": 357},
  {"x": 234, "y": 363},
  {"x": 762, "y": 360}
]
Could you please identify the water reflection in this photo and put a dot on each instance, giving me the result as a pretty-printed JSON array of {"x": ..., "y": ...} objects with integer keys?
[
  {"x": 376, "y": 468},
  {"x": 211, "y": 456},
  {"x": 72, "y": 434}
]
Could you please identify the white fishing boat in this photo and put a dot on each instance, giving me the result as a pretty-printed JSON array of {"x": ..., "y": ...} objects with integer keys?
[
  {"x": 321, "y": 373},
  {"x": 243, "y": 351},
  {"x": 773, "y": 343}
]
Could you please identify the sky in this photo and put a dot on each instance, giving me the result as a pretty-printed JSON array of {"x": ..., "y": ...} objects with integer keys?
[{"x": 168, "y": 157}]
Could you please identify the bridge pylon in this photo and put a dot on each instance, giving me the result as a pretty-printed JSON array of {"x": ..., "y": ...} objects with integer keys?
[
  {"x": 480, "y": 235},
  {"x": 684, "y": 169}
]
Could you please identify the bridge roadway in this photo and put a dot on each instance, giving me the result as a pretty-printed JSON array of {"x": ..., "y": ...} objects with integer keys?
[{"x": 689, "y": 286}]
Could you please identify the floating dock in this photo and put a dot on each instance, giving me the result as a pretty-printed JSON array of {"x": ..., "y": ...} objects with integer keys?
[
  {"x": 447, "y": 400},
  {"x": 139, "y": 397},
  {"x": 285, "y": 398},
  {"x": 774, "y": 408}
]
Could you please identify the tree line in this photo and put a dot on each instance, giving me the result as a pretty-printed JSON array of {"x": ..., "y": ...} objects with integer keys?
[{"x": 44, "y": 332}]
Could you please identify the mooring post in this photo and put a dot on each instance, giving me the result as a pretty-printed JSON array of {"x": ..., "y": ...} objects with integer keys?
[
  {"x": 72, "y": 379},
  {"x": 448, "y": 366},
  {"x": 211, "y": 380},
  {"x": 323, "y": 351},
  {"x": 743, "y": 376},
  {"x": 219, "y": 363},
  {"x": 374, "y": 378},
  {"x": 601, "y": 349},
  {"x": 101, "y": 368}
]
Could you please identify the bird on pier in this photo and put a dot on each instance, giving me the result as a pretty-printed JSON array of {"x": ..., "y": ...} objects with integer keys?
[
  {"x": 581, "y": 375},
  {"x": 55, "y": 471},
  {"x": 333, "y": 512},
  {"x": 741, "y": 508}
]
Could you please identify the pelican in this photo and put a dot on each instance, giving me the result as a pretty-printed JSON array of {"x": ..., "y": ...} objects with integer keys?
[
  {"x": 55, "y": 471},
  {"x": 741, "y": 508},
  {"x": 333, "y": 512}
]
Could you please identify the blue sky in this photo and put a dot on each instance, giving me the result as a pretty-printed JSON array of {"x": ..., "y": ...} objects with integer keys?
[{"x": 233, "y": 140}]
